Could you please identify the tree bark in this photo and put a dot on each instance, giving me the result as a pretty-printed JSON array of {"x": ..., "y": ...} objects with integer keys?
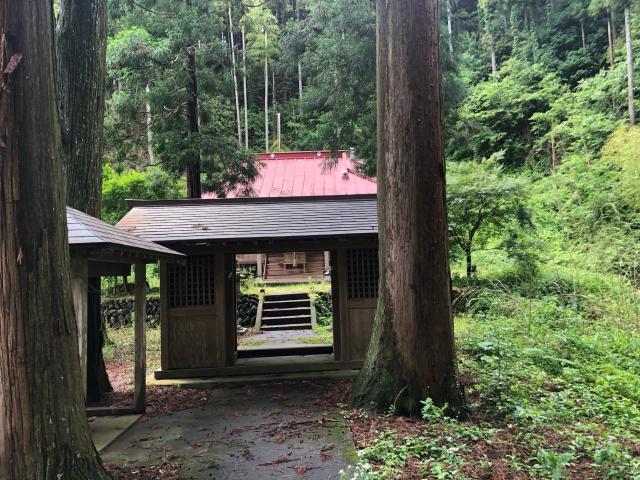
[
  {"x": 449, "y": 26},
  {"x": 300, "y": 87},
  {"x": 266, "y": 91},
  {"x": 43, "y": 428},
  {"x": 469, "y": 261},
  {"x": 81, "y": 61},
  {"x": 149, "y": 121},
  {"x": 630, "y": 83},
  {"x": 411, "y": 355},
  {"x": 273, "y": 102},
  {"x": 194, "y": 187},
  {"x": 244, "y": 87},
  {"x": 97, "y": 378},
  {"x": 611, "y": 38},
  {"x": 235, "y": 77},
  {"x": 494, "y": 61}
]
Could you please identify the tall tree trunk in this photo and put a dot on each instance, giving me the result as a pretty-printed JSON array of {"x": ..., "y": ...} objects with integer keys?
[
  {"x": 584, "y": 35},
  {"x": 266, "y": 91},
  {"x": 300, "y": 87},
  {"x": 244, "y": 87},
  {"x": 450, "y": 26},
  {"x": 611, "y": 38},
  {"x": 278, "y": 132},
  {"x": 81, "y": 50},
  {"x": 81, "y": 61},
  {"x": 494, "y": 61},
  {"x": 273, "y": 101},
  {"x": 554, "y": 150},
  {"x": 235, "y": 77},
  {"x": 411, "y": 355},
  {"x": 194, "y": 187},
  {"x": 469, "y": 262},
  {"x": 149, "y": 121},
  {"x": 43, "y": 428},
  {"x": 630, "y": 83}
]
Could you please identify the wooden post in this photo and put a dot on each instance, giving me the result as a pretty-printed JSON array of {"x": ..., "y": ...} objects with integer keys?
[
  {"x": 79, "y": 291},
  {"x": 336, "y": 305},
  {"x": 259, "y": 265},
  {"x": 140, "y": 381},
  {"x": 164, "y": 317}
]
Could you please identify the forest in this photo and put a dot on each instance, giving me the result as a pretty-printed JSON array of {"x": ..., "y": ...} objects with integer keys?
[
  {"x": 541, "y": 232},
  {"x": 543, "y": 186}
]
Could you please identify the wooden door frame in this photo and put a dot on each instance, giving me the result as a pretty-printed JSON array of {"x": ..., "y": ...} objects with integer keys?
[{"x": 230, "y": 304}]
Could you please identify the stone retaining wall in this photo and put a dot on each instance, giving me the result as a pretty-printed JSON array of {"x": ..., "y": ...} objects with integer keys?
[
  {"x": 118, "y": 312},
  {"x": 247, "y": 310}
]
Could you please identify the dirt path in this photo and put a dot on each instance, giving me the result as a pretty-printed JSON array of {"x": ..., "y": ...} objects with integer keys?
[{"x": 277, "y": 431}]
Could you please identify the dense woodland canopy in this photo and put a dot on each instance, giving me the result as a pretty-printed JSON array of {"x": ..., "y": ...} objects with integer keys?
[{"x": 535, "y": 95}]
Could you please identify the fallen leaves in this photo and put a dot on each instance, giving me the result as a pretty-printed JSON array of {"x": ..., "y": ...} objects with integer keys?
[
  {"x": 284, "y": 458},
  {"x": 166, "y": 471}
]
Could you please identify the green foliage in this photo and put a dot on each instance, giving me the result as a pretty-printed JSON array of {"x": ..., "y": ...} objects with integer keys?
[
  {"x": 497, "y": 115},
  {"x": 324, "y": 307},
  {"x": 151, "y": 184},
  {"x": 148, "y": 66},
  {"x": 338, "y": 58},
  {"x": 485, "y": 205},
  {"x": 622, "y": 149}
]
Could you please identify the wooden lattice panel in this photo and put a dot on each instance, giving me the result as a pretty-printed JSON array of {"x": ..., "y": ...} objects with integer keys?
[
  {"x": 192, "y": 284},
  {"x": 362, "y": 273}
]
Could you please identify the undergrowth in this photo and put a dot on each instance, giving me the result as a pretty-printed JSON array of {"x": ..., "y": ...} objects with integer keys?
[{"x": 551, "y": 366}]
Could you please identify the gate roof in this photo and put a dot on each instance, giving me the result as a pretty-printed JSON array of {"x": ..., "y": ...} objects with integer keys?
[{"x": 252, "y": 219}]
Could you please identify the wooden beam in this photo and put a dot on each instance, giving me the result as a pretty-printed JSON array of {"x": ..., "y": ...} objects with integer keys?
[
  {"x": 268, "y": 367},
  {"x": 108, "y": 269},
  {"x": 140, "y": 381},
  {"x": 113, "y": 411}
]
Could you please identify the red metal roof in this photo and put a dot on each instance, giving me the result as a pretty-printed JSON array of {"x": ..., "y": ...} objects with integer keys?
[{"x": 302, "y": 174}]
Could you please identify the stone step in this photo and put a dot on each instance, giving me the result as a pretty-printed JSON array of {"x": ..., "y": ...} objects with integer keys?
[
  {"x": 303, "y": 302},
  {"x": 293, "y": 326},
  {"x": 286, "y": 296},
  {"x": 284, "y": 350},
  {"x": 285, "y": 312},
  {"x": 286, "y": 320}
]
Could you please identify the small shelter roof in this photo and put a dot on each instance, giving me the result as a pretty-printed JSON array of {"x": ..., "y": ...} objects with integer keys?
[
  {"x": 308, "y": 173},
  {"x": 252, "y": 219},
  {"x": 91, "y": 234}
]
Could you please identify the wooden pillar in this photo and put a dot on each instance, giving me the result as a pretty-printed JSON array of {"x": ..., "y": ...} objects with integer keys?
[
  {"x": 140, "y": 381},
  {"x": 336, "y": 287},
  {"x": 79, "y": 291},
  {"x": 259, "y": 265},
  {"x": 164, "y": 317},
  {"x": 226, "y": 329}
]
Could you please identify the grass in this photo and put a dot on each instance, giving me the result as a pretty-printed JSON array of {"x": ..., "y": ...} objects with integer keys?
[
  {"x": 254, "y": 287},
  {"x": 120, "y": 345},
  {"x": 324, "y": 332},
  {"x": 552, "y": 373},
  {"x": 251, "y": 342}
]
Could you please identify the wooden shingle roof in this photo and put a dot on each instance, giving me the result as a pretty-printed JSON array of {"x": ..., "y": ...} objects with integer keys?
[
  {"x": 87, "y": 232},
  {"x": 294, "y": 218}
]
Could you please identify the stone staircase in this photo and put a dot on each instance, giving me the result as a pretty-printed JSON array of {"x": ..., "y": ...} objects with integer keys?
[{"x": 290, "y": 311}]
